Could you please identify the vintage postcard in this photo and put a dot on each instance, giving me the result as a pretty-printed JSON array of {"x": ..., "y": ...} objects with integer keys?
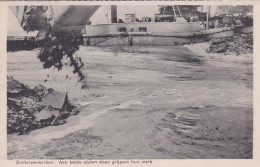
[{"x": 115, "y": 83}]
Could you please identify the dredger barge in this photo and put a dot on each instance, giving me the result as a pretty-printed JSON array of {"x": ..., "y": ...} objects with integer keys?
[{"x": 176, "y": 32}]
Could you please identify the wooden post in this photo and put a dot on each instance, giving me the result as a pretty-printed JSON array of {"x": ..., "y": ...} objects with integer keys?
[
  {"x": 130, "y": 38},
  {"x": 88, "y": 41}
]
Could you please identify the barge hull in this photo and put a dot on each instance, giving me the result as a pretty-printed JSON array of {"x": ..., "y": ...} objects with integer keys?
[{"x": 125, "y": 39}]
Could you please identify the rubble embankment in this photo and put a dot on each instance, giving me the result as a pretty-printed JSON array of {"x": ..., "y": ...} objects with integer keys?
[
  {"x": 29, "y": 109},
  {"x": 238, "y": 44}
]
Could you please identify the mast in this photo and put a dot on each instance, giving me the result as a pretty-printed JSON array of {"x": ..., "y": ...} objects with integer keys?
[
  {"x": 208, "y": 10},
  {"x": 113, "y": 14}
]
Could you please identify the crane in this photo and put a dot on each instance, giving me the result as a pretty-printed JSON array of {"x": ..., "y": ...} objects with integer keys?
[{"x": 64, "y": 18}]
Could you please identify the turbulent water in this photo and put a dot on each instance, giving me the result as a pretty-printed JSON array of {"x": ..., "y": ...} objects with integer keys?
[{"x": 144, "y": 102}]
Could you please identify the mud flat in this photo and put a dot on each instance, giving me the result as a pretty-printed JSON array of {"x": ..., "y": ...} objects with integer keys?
[{"x": 144, "y": 102}]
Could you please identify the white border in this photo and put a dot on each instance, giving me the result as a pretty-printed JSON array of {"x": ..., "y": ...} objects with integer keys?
[{"x": 255, "y": 162}]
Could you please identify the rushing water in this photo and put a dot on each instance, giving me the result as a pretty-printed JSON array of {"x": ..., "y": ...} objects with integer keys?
[{"x": 144, "y": 102}]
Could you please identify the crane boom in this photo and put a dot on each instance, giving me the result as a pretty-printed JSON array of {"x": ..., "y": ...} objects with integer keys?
[{"x": 64, "y": 18}]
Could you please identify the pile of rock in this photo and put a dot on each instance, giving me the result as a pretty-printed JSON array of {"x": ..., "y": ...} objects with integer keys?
[
  {"x": 27, "y": 108},
  {"x": 238, "y": 44}
]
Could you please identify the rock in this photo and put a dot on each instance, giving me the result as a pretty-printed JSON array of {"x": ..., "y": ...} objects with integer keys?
[
  {"x": 27, "y": 111},
  {"x": 59, "y": 122},
  {"x": 21, "y": 112},
  {"x": 239, "y": 44},
  {"x": 40, "y": 90},
  {"x": 45, "y": 115},
  {"x": 14, "y": 87},
  {"x": 31, "y": 106},
  {"x": 217, "y": 41}
]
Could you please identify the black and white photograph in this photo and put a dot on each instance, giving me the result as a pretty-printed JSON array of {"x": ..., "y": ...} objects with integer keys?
[{"x": 120, "y": 82}]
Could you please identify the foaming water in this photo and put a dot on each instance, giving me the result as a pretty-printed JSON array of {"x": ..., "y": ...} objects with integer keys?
[{"x": 73, "y": 124}]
